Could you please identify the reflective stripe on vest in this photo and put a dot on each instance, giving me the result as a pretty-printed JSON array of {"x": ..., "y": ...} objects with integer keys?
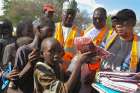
[
  {"x": 70, "y": 38},
  {"x": 68, "y": 44},
  {"x": 59, "y": 35},
  {"x": 134, "y": 54},
  {"x": 99, "y": 38},
  {"x": 110, "y": 38}
]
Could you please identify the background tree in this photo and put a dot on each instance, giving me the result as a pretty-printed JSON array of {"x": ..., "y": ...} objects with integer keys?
[
  {"x": 83, "y": 19},
  {"x": 16, "y": 10}
]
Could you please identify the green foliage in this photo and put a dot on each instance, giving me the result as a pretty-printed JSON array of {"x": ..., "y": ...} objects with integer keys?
[{"x": 16, "y": 10}]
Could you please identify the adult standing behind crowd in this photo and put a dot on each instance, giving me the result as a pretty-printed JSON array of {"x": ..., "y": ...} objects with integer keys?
[
  {"x": 97, "y": 32},
  {"x": 23, "y": 69},
  {"x": 66, "y": 30}
]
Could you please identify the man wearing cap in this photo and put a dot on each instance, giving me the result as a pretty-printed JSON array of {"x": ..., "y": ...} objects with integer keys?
[
  {"x": 66, "y": 31},
  {"x": 123, "y": 43}
]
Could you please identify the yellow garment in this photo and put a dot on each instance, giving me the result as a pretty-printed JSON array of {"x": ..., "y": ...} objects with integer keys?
[
  {"x": 134, "y": 54},
  {"x": 110, "y": 38},
  {"x": 69, "y": 42},
  {"x": 99, "y": 38},
  {"x": 59, "y": 36},
  {"x": 134, "y": 51},
  {"x": 59, "y": 33}
]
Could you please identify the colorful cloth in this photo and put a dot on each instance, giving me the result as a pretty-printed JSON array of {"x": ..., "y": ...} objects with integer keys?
[
  {"x": 46, "y": 81},
  {"x": 123, "y": 82},
  {"x": 105, "y": 89}
]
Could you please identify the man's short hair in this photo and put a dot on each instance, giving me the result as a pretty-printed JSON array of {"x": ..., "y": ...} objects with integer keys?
[
  {"x": 50, "y": 39},
  {"x": 103, "y": 10}
]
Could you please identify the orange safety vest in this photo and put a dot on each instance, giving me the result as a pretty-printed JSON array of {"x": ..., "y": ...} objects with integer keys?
[
  {"x": 97, "y": 41},
  {"x": 134, "y": 51},
  {"x": 69, "y": 42}
]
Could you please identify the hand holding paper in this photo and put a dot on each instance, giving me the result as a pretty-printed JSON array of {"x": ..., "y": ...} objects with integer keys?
[{"x": 85, "y": 44}]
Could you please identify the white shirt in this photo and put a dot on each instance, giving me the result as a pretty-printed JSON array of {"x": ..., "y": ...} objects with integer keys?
[
  {"x": 92, "y": 33},
  {"x": 66, "y": 31}
]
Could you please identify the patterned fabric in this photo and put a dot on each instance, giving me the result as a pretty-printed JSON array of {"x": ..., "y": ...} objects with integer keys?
[
  {"x": 123, "y": 82},
  {"x": 45, "y": 80},
  {"x": 104, "y": 89}
]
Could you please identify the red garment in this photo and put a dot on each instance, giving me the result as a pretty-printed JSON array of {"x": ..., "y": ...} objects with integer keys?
[
  {"x": 94, "y": 66},
  {"x": 48, "y": 8}
]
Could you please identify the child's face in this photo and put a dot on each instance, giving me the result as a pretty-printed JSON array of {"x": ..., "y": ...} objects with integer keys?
[{"x": 53, "y": 53}]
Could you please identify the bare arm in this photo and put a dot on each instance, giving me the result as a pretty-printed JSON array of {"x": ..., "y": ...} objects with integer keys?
[
  {"x": 80, "y": 59},
  {"x": 32, "y": 57}
]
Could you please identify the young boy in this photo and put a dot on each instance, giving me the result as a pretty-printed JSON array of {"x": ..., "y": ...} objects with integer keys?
[{"x": 49, "y": 75}]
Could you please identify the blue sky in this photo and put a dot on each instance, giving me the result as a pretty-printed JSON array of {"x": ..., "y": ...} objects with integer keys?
[{"x": 112, "y": 6}]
